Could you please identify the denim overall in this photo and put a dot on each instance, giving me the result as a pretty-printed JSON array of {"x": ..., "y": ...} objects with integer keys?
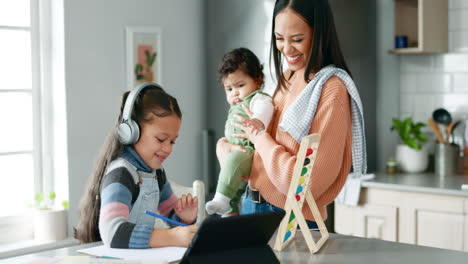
[{"x": 148, "y": 200}]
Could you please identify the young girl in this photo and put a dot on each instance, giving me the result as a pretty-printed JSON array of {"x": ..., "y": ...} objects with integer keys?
[
  {"x": 129, "y": 179},
  {"x": 242, "y": 77}
]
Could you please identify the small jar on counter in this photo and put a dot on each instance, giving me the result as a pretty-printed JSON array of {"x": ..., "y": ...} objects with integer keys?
[{"x": 391, "y": 166}]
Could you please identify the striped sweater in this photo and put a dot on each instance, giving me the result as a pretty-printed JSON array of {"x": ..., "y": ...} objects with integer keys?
[
  {"x": 276, "y": 151},
  {"x": 119, "y": 192}
]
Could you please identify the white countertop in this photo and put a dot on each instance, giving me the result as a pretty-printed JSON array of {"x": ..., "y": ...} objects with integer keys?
[{"x": 422, "y": 182}]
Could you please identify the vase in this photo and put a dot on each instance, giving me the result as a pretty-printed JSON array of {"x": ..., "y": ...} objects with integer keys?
[
  {"x": 50, "y": 225},
  {"x": 411, "y": 160}
]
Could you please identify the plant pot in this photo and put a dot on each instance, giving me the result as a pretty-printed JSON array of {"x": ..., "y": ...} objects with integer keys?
[
  {"x": 50, "y": 225},
  {"x": 149, "y": 76},
  {"x": 411, "y": 160}
]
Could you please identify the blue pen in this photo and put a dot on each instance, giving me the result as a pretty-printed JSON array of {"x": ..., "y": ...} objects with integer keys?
[{"x": 165, "y": 218}]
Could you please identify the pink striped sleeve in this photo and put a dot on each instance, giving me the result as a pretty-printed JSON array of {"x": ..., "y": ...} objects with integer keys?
[
  {"x": 165, "y": 207},
  {"x": 113, "y": 210}
]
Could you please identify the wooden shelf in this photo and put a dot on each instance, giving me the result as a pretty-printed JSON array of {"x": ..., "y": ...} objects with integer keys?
[{"x": 425, "y": 23}]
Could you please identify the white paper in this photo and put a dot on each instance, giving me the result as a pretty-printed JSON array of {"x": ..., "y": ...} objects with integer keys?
[
  {"x": 169, "y": 254},
  {"x": 94, "y": 260},
  {"x": 37, "y": 260}
]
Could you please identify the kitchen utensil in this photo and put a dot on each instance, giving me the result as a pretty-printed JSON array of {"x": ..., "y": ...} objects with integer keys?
[
  {"x": 434, "y": 127},
  {"x": 443, "y": 132},
  {"x": 442, "y": 116},
  {"x": 458, "y": 135},
  {"x": 450, "y": 128},
  {"x": 446, "y": 159}
]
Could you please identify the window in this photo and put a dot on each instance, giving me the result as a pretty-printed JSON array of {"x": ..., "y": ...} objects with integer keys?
[
  {"x": 17, "y": 130},
  {"x": 32, "y": 106}
]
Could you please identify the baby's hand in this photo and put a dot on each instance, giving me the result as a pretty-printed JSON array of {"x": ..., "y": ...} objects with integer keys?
[
  {"x": 256, "y": 124},
  {"x": 187, "y": 208},
  {"x": 251, "y": 123}
]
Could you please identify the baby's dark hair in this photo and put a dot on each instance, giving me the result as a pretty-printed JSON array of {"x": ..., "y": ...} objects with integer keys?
[{"x": 241, "y": 59}]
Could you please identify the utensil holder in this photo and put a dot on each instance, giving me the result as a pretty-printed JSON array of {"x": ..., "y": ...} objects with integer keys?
[{"x": 446, "y": 159}]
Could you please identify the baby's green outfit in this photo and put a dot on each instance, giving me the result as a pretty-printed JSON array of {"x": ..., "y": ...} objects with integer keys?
[{"x": 238, "y": 164}]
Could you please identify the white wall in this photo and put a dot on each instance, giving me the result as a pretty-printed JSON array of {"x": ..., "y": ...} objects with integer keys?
[
  {"x": 431, "y": 81},
  {"x": 224, "y": 33},
  {"x": 95, "y": 78}
]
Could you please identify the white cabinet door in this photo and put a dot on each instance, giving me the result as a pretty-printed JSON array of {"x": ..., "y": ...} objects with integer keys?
[
  {"x": 377, "y": 221},
  {"x": 371, "y": 221},
  {"x": 344, "y": 219},
  {"x": 439, "y": 229},
  {"x": 432, "y": 220},
  {"x": 407, "y": 217},
  {"x": 465, "y": 244}
]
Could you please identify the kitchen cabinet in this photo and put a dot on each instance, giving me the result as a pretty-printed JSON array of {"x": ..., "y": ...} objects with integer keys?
[
  {"x": 425, "y": 23},
  {"x": 409, "y": 217},
  {"x": 369, "y": 221}
]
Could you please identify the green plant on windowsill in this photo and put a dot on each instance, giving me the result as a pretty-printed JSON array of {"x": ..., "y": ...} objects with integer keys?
[
  {"x": 410, "y": 133},
  {"x": 43, "y": 201},
  {"x": 50, "y": 223}
]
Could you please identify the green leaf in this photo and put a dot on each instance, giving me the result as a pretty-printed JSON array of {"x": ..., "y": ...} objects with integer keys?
[
  {"x": 409, "y": 132},
  {"x": 411, "y": 142},
  {"x": 39, "y": 197},
  {"x": 420, "y": 136},
  {"x": 52, "y": 196},
  {"x": 138, "y": 68},
  {"x": 418, "y": 126},
  {"x": 396, "y": 124},
  {"x": 65, "y": 204}
]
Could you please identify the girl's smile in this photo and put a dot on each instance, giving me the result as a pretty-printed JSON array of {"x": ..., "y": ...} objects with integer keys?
[{"x": 157, "y": 139}]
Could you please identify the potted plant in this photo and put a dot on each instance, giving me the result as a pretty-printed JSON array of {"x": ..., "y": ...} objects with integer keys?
[
  {"x": 50, "y": 223},
  {"x": 411, "y": 156}
]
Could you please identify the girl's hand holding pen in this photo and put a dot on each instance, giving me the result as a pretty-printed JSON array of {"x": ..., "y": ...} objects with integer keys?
[{"x": 187, "y": 208}]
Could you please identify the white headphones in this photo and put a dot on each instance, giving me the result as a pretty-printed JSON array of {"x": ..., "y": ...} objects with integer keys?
[{"x": 128, "y": 131}]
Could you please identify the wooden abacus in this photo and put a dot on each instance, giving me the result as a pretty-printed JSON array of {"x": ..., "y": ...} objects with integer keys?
[{"x": 299, "y": 191}]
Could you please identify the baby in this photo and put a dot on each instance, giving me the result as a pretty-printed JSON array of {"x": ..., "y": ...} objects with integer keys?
[{"x": 242, "y": 77}]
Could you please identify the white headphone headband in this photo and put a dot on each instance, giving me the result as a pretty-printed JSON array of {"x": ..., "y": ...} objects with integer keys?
[{"x": 128, "y": 108}]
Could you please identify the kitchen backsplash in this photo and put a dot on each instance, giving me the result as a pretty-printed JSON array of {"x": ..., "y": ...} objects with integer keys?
[{"x": 428, "y": 82}]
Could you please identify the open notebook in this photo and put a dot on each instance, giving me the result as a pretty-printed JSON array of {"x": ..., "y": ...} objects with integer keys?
[{"x": 165, "y": 254}]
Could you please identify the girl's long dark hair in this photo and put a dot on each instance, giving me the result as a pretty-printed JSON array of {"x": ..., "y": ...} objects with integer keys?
[
  {"x": 325, "y": 48},
  {"x": 152, "y": 101}
]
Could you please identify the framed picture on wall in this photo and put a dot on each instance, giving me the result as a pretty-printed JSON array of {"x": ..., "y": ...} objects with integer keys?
[{"x": 143, "y": 47}]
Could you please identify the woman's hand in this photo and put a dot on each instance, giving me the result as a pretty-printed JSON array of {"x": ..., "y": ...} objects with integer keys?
[
  {"x": 187, "y": 208},
  {"x": 252, "y": 127},
  {"x": 223, "y": 148}
]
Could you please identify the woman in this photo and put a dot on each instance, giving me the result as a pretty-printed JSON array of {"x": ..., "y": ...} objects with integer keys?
[{"x": 304, "y": 36}]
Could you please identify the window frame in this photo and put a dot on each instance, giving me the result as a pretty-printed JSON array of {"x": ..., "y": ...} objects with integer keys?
[{"x": 43, "y": 132}]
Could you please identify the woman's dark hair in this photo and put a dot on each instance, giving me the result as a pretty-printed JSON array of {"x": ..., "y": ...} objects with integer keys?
[
  {"x": 241, "y": 59},
  {"x": 325, "y": 48},
  {"x": 152, "y": 101}
]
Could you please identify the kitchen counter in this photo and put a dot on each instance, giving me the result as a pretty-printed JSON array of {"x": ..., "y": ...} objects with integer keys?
[
  {"x": 338, "y": 249},
  {"x": 421, "y": 182}
]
